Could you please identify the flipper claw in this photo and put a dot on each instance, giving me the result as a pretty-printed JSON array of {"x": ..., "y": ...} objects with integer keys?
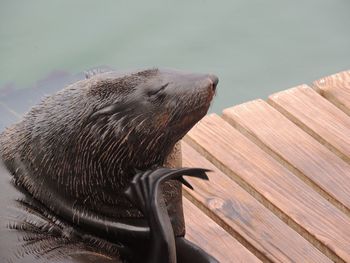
[{"x": 185, "y": 182}]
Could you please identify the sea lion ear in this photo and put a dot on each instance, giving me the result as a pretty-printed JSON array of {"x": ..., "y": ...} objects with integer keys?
[
  {"x": 108, "y": 110},
  {"x": 95, "y": 71},
  {"x": 121, "y": 108}
]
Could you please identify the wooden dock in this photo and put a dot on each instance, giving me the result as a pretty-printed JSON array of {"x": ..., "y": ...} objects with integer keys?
[
  {"x": 280, "y": 186},
  {"x": 280, "y": 190}
]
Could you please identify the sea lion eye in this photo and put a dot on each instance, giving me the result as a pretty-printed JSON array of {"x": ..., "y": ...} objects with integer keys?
[{"x": 156, "y": 91}]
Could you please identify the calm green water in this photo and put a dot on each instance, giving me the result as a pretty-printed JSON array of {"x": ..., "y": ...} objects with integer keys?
[{"x": 256, "y": 47}]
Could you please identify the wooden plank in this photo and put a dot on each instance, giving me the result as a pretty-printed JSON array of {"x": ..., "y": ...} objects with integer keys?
[
  {"x": 261, "y": 231},
  {"x": 313, "y": 163},
  {"x": 317, "y": 116},
  {"x": 276, "y": 187},
  {"x": 203, "y": 231},
  {"x": 336, "y": 88}
]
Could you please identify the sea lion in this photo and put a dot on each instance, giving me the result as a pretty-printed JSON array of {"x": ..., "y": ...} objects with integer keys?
[{"x": 78, "y": 150}]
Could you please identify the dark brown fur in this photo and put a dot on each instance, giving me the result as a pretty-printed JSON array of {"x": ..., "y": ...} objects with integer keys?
[{"x": 85, "y": 142}]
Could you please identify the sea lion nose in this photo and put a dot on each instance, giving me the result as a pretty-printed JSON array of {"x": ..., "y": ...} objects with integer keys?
[{"x": 214, "y": 81}]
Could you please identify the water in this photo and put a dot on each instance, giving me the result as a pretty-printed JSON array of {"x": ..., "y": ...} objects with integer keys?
[{"x": 255, "y": 47}]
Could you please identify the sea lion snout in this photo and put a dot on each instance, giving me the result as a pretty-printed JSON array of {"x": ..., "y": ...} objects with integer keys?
[
  {"x": 214, "y": 80},
  {"x": 186, "y": 85}
]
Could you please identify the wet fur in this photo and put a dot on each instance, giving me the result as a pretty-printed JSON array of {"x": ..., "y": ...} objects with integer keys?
[
  {"x": 85, "y": 142},
  {"x": 70, "y": 151}
]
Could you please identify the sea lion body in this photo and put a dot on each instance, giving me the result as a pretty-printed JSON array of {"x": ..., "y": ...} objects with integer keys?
[
  {"x": 31, "y": 233},
  {"x": 80, "y": 147}
]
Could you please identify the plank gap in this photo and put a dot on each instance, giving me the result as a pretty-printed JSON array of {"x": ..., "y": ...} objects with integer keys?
[
  {"x": 225, "y": 226},
  {"x": 251, "y": 136},
  {"x": 259, "y": 197},
  {"x": 335, "y": 88},
  {"x": 248, "y": 217},
  {"x": 208, "y": 238},
  {"x": 308, "y": 130},
  {"x": 331, "y": 99}
]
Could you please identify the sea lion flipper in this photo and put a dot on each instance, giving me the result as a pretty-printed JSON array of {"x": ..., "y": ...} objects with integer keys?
[
  {"x": 145, "y": 192},
  {"x": 144, "y": 183},
  {"x": 196, "y": 172},
  {"x": 185, "y": 182},
  {"x": 186, "y": 251}
]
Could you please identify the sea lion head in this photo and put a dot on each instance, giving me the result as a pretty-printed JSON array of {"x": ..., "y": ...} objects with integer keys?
[
  {"x": 85, "y": 142},
  {"x": 148, "y": 111}
]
